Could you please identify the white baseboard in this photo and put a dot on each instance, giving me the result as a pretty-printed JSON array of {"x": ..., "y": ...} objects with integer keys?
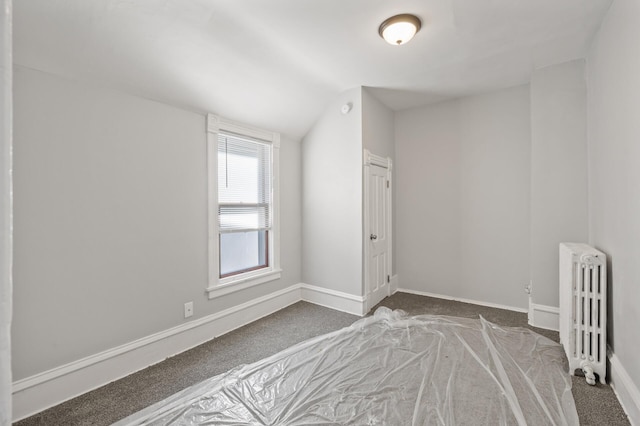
[
  {"x": 333, "y": 299},
  {"x": 542, "y": 316},
  {"x": 47, "y": 389},
  {"x": 41, "y": 391},
  {"x": 624, "y": 388},
  {"x": 460, "y": 299}
]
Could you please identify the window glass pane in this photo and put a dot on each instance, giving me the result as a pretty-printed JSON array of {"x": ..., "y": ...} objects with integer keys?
[
  {"x": 238, "y": 178},
  {"x": 244, "y": 171},
  {"x": 243, "y": 251}
]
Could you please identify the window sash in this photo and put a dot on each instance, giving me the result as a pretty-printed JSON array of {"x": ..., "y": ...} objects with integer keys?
[
  {"x": 244, "y": 183},
  {"x": 244, "y": 198},
  {"x": 261, "y": 262}
]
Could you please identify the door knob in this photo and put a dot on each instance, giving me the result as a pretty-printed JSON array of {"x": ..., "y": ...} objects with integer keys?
[{"x": 373, "y": 237}]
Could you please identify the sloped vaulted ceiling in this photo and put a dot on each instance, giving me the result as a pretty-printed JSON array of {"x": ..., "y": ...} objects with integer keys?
[{"x": 277, "y": 63}]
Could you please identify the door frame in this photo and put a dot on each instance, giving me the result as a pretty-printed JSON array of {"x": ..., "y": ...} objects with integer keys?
[
  {"x": 371, "y": 159},
  {"x": 6, "y": 209}
]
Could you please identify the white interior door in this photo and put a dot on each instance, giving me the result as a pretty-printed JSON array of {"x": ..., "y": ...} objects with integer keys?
[{"x": 378, "y": 258}]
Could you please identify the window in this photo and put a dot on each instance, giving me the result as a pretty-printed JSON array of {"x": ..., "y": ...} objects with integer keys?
[
  {"x": 244, "y": 204},
  {"x": 243, "y": 208}
]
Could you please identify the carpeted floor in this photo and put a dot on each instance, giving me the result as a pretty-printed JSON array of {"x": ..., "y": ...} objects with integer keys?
[{"x": 596, "y": 405}]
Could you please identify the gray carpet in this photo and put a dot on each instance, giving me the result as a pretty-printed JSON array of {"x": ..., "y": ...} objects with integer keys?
[{"x": 596, "y": 405}]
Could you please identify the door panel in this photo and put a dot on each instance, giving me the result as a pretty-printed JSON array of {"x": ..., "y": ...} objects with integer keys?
[{"x": 378, "y": 285}]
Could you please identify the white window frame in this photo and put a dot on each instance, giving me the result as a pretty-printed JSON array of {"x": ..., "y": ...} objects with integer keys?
[{"x": 221, "y": 286}]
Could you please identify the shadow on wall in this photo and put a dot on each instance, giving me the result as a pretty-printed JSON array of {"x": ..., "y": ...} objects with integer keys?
[{"x": 610, "y": 299}]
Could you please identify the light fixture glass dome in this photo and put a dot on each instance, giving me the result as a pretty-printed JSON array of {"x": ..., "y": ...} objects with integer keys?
[{"x": 399, "y": 29}]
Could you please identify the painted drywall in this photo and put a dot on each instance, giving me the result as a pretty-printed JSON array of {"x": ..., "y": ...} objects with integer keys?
[
  {"x": 111, "y": 220},
  {"x": 558, "y": 171},
  {"x": 378, "y": 136},
  {"x": 332, "y": 198},
  {"x": 613, "y": 74},
  {"x": 462, "y": 192},
  {"x": 5, "y": 211},
  {"x": 377, "y": 126}
]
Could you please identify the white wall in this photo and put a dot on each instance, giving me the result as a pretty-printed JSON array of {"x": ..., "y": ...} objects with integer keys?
[
  {"x": 462, "y": 192},
  {"x": 5, "y": 211},
  {"x": 613, "y": 70},
  {"x": 558, "y": 171},
  {"x": 111, "y": 228},
  {"x": 332, "y": 198},
  {"x": 378, "y": 136},
  {"x": 377, "y": 126}
]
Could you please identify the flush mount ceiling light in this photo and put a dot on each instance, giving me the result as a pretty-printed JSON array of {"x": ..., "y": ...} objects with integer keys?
[{"x": 399, "y": 29}]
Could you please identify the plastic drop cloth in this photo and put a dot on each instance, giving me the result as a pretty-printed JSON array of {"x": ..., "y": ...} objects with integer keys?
[{"x": 388, "y": 369}]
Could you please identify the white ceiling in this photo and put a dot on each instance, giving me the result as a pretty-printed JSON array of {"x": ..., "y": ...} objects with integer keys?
[{"x": 277, "y": 63}]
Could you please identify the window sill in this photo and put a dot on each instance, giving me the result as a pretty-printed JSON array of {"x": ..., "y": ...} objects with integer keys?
[{"x": 243, "y": 283}]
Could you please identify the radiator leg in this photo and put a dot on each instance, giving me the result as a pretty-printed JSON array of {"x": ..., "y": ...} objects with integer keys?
[{"x": 588, "y": 373}]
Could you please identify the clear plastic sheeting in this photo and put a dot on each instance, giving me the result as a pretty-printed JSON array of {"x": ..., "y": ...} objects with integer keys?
[{"x": 388, "y": 369}]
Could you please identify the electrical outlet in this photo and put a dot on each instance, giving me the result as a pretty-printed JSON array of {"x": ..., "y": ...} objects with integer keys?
[{"x": 188, "y": 309}]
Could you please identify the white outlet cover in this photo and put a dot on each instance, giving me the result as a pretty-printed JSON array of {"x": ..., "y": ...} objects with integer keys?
[{"x": 188, "y": 309}]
